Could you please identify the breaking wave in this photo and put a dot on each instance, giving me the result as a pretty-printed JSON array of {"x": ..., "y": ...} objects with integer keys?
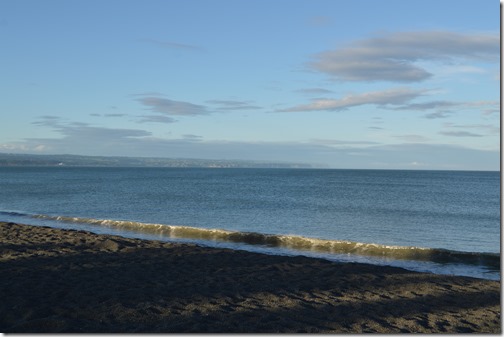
[{"x": 489, "y": 260}]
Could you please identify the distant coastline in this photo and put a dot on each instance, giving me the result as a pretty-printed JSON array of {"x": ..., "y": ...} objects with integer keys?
[{"x": 13, "y": 159}]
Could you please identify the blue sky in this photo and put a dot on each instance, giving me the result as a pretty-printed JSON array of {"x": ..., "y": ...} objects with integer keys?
[{"x": 344, "y": 84}]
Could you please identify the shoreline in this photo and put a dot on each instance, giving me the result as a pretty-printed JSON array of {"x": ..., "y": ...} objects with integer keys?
[
  {"x": 444, "y": 261},
  {"x": 77, "y": 281}
]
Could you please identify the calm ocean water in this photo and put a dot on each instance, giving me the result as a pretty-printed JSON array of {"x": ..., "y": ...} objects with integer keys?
[{"x": 438, "y": 221}]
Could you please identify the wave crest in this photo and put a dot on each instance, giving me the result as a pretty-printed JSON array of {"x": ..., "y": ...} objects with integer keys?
[{"x": 489, "y": 260}]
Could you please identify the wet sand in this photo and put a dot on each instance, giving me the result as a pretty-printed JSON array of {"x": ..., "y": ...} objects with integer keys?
[{"x": 75, "y": 281}]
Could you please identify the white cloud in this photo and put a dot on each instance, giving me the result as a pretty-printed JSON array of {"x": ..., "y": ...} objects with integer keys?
[
  {"x": 398, "y": 96},
  {"x": 22, "y": 147},
  {"x": 392, "y": 57}
]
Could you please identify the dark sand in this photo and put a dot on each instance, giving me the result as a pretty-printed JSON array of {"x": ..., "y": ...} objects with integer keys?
[{"x": 75, "y": 281}]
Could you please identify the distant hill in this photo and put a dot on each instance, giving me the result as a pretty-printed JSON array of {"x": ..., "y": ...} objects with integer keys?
[{"x": 12, "y": 159}]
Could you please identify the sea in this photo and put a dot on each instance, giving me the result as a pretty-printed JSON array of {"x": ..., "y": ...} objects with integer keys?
[{"x": 443, "y": 222}]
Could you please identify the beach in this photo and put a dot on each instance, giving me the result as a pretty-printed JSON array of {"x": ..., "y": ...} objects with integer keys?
[{"x": 58, "y": 280}]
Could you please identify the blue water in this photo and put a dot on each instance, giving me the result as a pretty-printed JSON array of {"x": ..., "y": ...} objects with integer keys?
[{"x": 449, "y": 210}]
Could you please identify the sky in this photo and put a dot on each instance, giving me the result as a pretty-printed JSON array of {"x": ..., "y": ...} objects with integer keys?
[{"x": 368, "y": 84}]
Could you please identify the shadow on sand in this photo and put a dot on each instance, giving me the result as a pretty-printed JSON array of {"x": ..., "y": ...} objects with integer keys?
[{"x": 110, "y": 284}]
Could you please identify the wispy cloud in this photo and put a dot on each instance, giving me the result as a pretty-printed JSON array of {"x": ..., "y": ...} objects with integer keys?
[
  {"x": 91, "y": 140},
  {"x": 412, "y": 138},
  {"x": 121, "y": 142},
  {"x": 168, "y": 107},
  {"x": 24, "y": 147},
  {"x": 191, "y": 137},
  {"x": 77, "y": 137},
  {"x": 115, "y": 115},
  {"x": 86, "y": 132},
  {"x": 392, "y": 57},
  {"x": 487, "y": 128},
  {"x": 398, "y": 96},
  {"x": 314, "y": 91},
  {"x": 438, "y": 114},
  {"x": 233, "y": 105},
  {"x": 81, "y": 131},
  {"x": 427, "y": 105},
  {"x": 171, "y": 107},
  {"x": 332, "y": 142},
  {"x": 460, "y": 134},
  {"x": 449, "y": 104},
  {"x": 447, "y": 108},
  {"x": 156, "y": 119},
  {"x": 46, "y": 120}
]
